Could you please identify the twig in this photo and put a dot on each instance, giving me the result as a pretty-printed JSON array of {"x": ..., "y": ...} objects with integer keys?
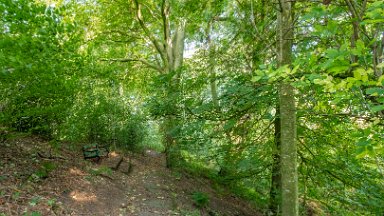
[
  {"x": 50, "y": 157},
  {"x": 105, "y": 176}
]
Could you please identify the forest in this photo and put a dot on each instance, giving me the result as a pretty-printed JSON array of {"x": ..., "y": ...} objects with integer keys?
[{"x": 277, "y": 105}]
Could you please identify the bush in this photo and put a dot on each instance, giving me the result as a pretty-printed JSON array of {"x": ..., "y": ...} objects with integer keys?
[
  {"x": 200, "y": 199},
  {"x": 131, "y": 135},
  {"x": 105, "y": 121}
]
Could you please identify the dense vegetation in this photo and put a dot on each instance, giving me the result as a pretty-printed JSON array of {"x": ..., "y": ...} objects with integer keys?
[{"x": 203, "y": 81}]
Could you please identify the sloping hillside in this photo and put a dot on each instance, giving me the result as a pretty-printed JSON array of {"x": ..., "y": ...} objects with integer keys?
[{"x": 41, "y": 178}]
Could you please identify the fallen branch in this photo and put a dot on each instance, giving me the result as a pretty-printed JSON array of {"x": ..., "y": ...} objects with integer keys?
[
  {"x": 105, "y": 176},
  {"x": 50, "y": 157}
]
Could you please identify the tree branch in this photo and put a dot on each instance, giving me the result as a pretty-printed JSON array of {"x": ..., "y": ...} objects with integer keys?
[
  {"x": 369, "y": 118},
  {"x": 154, "y": 41},
  {"x": 165, "y": 9},
  {"x": 150, "y": 65}
]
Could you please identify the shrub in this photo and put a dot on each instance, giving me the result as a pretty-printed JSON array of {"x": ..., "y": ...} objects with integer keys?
[{"x": 200, "y": 199}]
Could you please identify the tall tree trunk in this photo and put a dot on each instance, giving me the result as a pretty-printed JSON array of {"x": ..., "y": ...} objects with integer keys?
[
  {"x": 211, "y": 67},
  {"x": 175, "y": 56},
  {"x": 275, "y": 191},
  {"x": 378, "y": 50},
  {"x": 171, "y": 50},
  {"x": 287, "y": 115},
  {"x": 288, "y": 156},
  {"x": 355, "y": 27},
  {"x": 169, "y": 141}
]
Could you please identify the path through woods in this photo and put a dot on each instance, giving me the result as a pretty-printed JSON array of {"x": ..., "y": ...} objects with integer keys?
[{"x": 34, "y": 180}]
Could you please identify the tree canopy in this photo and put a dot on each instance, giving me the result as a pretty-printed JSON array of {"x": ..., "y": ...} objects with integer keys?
[{"x": 206, "y": 83}]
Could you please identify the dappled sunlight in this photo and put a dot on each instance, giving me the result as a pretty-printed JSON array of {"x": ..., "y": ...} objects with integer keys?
[
  {"x": 113, "y": 154},
  {"x": 191, "y": 107},
  {"x": 76, "y": 171},
  {"x": 83, "y": 196}
]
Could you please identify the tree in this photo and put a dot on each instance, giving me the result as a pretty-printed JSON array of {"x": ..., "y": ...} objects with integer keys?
[
  {"x": 164, "y": 29},
  {"x": 113, "y": 68},
  {"x": 38, "y": 52},
  {"x": 287, "y": 114}
]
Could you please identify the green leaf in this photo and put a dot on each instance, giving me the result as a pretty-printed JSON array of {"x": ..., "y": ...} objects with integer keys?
[
  {"x": 357, "y": 74},
  {"x": 381, "y": 65},
  {"x": 294, "y": 70},
  {"x": 377, "y": 108},
  {"x": 256, "y": 78},
  {"x": 262, "y": 66},
  {"x": 363, "y": 143},
  {"x": 51, "y": 202},
  {"x": 360, "y": 47},
  {"x": 333, "y": 53},
  {"x": 34, "y": 201},
  {"x": 229, "y": 124},
  {"x": 375, "y": 91},
  {"x": 381, "y": 100},
  {"x": 338, "y": 69},
  {"x": 373, "y": 21},
  {"x": 362, "y": 152}
]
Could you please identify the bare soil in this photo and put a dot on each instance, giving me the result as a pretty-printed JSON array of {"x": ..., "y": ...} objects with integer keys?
[{"x": 37, "y": 179}]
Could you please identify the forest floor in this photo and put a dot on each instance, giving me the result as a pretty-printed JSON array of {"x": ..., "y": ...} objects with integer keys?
[{"x": 37, "y": 180}]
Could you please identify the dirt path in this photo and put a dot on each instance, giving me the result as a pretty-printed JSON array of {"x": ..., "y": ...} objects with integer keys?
[{"x": 77, "y": 187}]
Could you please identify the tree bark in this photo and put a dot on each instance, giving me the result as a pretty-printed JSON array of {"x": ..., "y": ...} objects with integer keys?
[
  {"x": 175, "y": 50},
  {"x": 211, "y": 68},
  {"x": 275, "y": 191},
  {"x": 355, "y": 28},
  {"x": 288, "y": 156},
  {"x": 287, "y": 114}
]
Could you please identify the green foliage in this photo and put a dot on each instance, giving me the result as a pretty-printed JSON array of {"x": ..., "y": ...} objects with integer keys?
[
  {"x": 15, "y": 195},
  {"x": 32, "y": 214},
  {"x": 132, "y": 135},
  {"x": 35, "y": 67},
  {"x": 51, "y": 202},
  {"x": 43, "y": 171},
  {"x": 34, "y": 201},
  {"x": 166, "y": 100},
  {"x": 55, "y": 83},
  {"x": 190, "y": 213},
  {"x": 101, "y": 170},
  {"x": 200, "y": 199},
  {"x": 153, "y": 138},
  {"x": 108, "y": 122}
]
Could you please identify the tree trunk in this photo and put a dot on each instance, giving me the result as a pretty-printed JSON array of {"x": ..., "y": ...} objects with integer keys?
[
  {"x": 211, "y": 68},
  {"x": 175, "y": 55},
  {"x": 287, "y": 114},
  {"x": 169, "y": 141},
  {"x": 275, "y": 191},
  {"x": 171, "y": 50},
  {"x": 355, "y": 28},
  {"x": 377, "y": 50},
  {"x": 288, "y": 156}
]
